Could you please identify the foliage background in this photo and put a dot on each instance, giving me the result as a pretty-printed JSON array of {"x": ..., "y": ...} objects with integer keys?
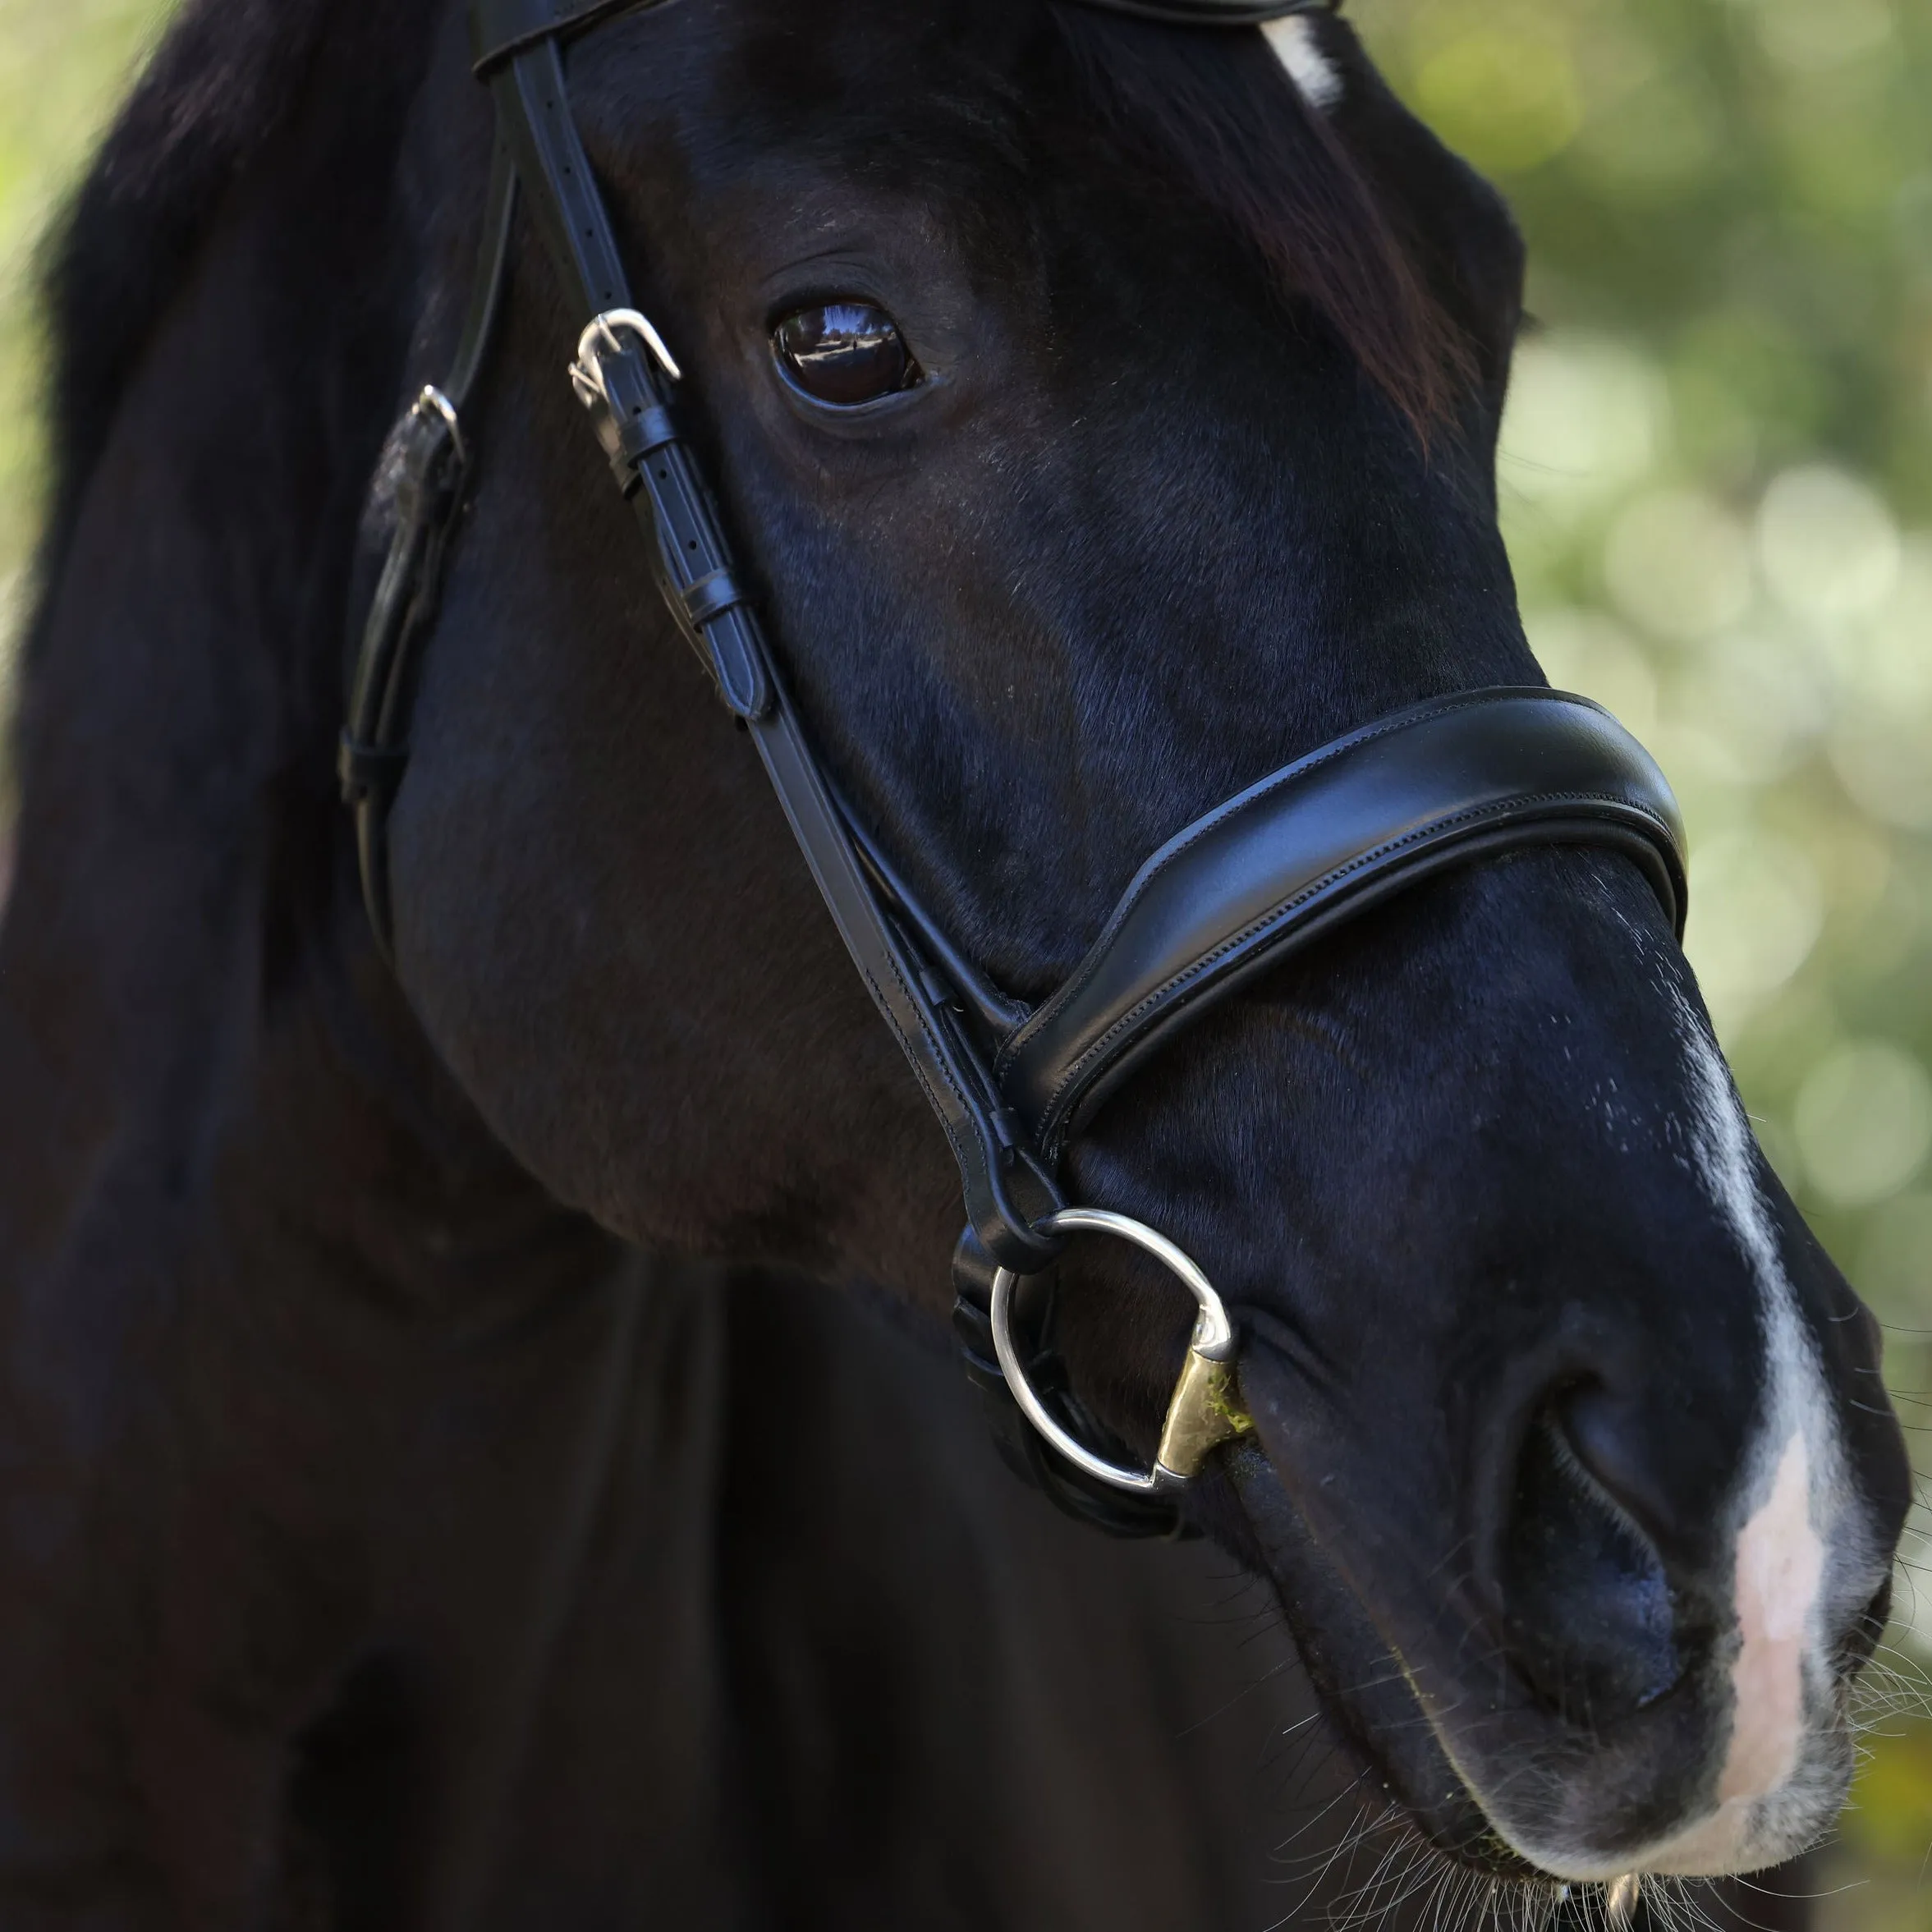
[
  {"x": 1717, "y": 482},
  {"x": 1718, "y": 487}
]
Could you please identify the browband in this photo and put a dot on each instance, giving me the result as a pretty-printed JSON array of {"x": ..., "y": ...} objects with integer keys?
[
  {"x": 1446, "y": 782},
  {"x": 501, "y": 29},
  {"x": 1213, "y": 13}
]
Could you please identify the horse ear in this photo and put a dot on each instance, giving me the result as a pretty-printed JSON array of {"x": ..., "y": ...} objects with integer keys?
[{"x": 1297, "y": 41}]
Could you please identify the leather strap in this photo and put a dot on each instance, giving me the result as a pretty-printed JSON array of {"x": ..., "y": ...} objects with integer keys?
[
  {"x": 492, "y": 278},
  {"x": 1321, "y": 841},
  {"x": 500, "y": 29},
  {"x": 1005, "y": 1190},
  {"x": 431, "y": 461}
]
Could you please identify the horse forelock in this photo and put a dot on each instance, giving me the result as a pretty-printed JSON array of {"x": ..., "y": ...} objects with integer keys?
[{"x": 1241, "y": 120}]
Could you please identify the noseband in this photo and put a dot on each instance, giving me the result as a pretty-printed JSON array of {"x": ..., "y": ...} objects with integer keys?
[{"x": 1317, "y": 843}]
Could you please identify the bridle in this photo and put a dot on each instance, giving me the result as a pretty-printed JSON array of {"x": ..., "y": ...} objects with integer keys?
[{"x": 1319, "y": 841}]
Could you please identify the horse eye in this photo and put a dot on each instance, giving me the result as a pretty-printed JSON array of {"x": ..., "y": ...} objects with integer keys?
[{"x": 844, "y": 353}]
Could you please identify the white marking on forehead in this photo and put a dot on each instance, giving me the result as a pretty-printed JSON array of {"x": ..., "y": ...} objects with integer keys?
[{"x": 1294, "y": 47}]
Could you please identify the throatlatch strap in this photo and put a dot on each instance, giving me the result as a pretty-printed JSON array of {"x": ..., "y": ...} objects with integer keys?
[{"x": 427, "y": 463}]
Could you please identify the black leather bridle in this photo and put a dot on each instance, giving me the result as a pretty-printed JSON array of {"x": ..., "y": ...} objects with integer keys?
[{"x": 1315, "y": 843}]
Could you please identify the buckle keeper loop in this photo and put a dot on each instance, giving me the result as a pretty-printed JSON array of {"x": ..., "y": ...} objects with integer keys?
[{"x": 369, "y": 771}]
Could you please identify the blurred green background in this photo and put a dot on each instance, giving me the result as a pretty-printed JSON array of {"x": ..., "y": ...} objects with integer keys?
[{"x": 1717, "y": 482}]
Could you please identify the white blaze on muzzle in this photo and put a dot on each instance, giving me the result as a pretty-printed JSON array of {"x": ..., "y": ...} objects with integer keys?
[
  {"x": 1780, "y": 1567},
  {"x": 1782, "y": 1773},
  {"x": 1803, "y": 1558}
]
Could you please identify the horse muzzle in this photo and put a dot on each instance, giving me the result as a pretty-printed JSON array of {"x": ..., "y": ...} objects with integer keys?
[{"x": 1609, "y": 1698}]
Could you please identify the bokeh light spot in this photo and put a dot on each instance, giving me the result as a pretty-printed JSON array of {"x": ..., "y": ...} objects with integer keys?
[
  {"x": 1508, "y": 101},
  {"x": 1586, "y": 419},
  {"x": 1761, "y": 693},
  {"x": 1808, "y": 35},
  {"x": 1883, "y": 764},
  {"x": 1827, "y": 543},
  {"x": 1895, "y": 1262},
  {"x": 1757, "y": 907},
  {"x": 1679, "y": 565},
  {"x": 1595, "y": 657},
  {"x": 1863, "y": 1123}
]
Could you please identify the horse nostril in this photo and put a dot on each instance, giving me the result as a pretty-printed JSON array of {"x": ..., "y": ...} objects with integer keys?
[{"x": 1586, "y": 1600}]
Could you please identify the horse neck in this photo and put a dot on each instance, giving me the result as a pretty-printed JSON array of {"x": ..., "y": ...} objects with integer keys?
[{"x": 192, "y": 1023}]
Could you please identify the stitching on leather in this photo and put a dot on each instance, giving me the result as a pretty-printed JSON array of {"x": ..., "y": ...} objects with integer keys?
[
  {"x": 953, "y": 1133},
  {"x": 1301, "y": 768},
  {"x": 1280, "y": 911}
]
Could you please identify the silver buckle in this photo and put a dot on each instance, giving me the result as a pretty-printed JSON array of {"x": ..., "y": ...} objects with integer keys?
[
  {"x": 432, "y": 402},
  {"x": 1204, "y": 1410},
  {"x": 587, "y": 373}
]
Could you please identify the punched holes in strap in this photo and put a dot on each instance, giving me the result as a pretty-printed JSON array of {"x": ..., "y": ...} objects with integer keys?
[{"x": 637, "y": 437}]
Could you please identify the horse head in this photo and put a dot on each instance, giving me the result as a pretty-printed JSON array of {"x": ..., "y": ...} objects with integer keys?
[{"x": 1104, "y": 411}]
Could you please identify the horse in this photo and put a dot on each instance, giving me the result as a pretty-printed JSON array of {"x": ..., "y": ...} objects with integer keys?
[{"x": 474, "y": 1450}]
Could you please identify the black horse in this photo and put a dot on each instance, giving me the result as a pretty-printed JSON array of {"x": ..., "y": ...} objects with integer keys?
[{"x": 406, "y": 1518}]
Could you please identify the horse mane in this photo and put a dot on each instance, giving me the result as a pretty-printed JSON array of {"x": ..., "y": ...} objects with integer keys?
[
  {"x": 224, "y": 77},
  {"x": 1214, "y": 108}
]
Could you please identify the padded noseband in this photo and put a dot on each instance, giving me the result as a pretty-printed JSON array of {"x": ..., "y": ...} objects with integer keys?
[{"x": 1323, "y": 840}]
